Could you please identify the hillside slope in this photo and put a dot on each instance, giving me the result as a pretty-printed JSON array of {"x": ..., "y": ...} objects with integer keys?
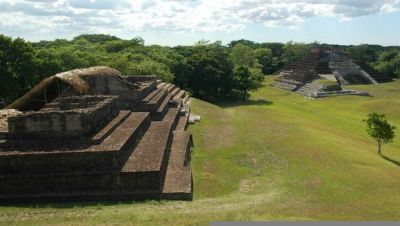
[{"x": 278, "y": 156}]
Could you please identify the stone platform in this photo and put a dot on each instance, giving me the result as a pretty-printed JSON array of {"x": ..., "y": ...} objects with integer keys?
[{"x": 109, "y": 150}]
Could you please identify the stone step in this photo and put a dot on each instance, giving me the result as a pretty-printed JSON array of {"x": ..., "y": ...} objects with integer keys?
[
  {"x": 167, "y": 86},
  {"x": 180, "y": 149},
  {"x": 185, "y": 99},
  {"x": 146, "y": 166},
  {"x": 175, "y": 91},
  {"x": 147, "y": 89},
  {"x": 127, "y": 136},
  {"x": 109, "y": 128},
  {"x": 284, "y": 85},
  {"x": 151, "y": 95},
  {"x": 162, "y": 109},
  {"x": 182, "y": 123},
  {"x": 310, "y": 89},
  {"x": 159, "y": 96},
  {"x": 180, "y": 95},
  {"x": 154, "y": 102},
  {"x": 178, "y": 179},
  {"x": 170, "y": 87},
  {"x": 172, "y": 116},
  {"x": 160, "y": 85}
]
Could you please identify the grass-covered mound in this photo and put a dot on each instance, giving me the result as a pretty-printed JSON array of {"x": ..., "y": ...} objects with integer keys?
[{"x": 278, "y": 156}]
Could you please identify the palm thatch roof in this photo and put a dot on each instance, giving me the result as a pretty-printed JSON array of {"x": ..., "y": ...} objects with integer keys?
[{"x": 51, "y": 87}]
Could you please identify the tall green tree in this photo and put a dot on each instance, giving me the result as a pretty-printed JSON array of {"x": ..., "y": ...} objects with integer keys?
[
  {"x": 389, "y": 63},
  {"x": 379, "y": 129},
  {"x": 17, "y": 67},
  {"x": 264, "y": 57},
  {"x": 205, "y": 75},
  {"x": 243, "y": 55},
  {"x": 294, "y": 51},
  {"x": 364, "y": 53}
]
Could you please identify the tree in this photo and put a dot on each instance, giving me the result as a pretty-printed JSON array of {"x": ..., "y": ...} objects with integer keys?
[
  {"x": 294, "y": 51},
  {"x": 204, "y": 76},
  {"x": 242, "y": 81},
  {"x": 364, "y": 53},
  {"x": 246, "y": 79},
  {"x": 97, "y": 38},
  {"x": 380, "y": 129},
  {"x": 264, "y": 57},
  {"x": 17, "y": 67},
  {"x": 389, "y": 63},
  {"x": 243, "y": 42},
  {"x": 243, "y": 55}
]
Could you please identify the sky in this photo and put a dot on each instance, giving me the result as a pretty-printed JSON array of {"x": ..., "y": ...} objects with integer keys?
[{"x": 184, "y": 22}]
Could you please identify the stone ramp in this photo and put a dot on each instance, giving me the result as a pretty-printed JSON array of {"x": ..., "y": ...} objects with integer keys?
[{"x": 178, "y": 179}]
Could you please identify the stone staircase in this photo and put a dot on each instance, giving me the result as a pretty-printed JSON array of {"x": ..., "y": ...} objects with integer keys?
[
  {"x": 315, "y": 90},
  {"x": 310, "y": 89}
]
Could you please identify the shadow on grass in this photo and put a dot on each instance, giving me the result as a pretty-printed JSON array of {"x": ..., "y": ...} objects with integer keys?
[
  {"x": 391, "y": 160},
  {"x": 71, "y": 205},
  {"x": 237, "y": 103}
]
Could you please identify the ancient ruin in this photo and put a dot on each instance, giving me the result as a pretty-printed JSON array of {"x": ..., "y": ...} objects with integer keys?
[
  {"x": 92, "y": 134},
  {"x": 322, "y": 73}
]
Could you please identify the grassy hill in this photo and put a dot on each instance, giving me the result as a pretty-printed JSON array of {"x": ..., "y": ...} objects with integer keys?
[{"x": 278, "y": 156}]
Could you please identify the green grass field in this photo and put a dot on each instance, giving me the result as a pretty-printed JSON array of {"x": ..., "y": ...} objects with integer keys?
[{"x": 278, "y": 156}]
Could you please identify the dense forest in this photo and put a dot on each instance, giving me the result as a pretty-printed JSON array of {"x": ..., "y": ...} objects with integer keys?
[{"x": 209, "y": 70}]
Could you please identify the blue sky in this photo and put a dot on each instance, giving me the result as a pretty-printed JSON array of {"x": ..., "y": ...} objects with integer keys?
[{"x": 177, "y": 22}]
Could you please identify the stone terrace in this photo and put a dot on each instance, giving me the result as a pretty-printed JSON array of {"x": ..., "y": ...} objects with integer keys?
[{"x": 108, "y": 149}]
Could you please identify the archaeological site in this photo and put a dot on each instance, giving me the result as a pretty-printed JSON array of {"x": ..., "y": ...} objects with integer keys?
[
  {"x": 92, "y": 134},
  {"x": 322, "y": 73}
]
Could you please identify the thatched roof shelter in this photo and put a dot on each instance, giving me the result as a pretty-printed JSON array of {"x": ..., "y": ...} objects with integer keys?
[{"x": 85, "y": 81}]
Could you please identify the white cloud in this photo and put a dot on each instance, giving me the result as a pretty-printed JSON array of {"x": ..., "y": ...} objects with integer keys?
[{"x": 78, "y": 16}]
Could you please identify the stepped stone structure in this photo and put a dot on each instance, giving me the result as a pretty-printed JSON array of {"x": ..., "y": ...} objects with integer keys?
[
  {"x": 322, "y": 73},
  {"x": 92, "y": 134}
]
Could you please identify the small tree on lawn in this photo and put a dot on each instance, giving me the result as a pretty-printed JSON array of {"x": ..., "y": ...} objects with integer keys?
[{"x": 380, "y": 129}]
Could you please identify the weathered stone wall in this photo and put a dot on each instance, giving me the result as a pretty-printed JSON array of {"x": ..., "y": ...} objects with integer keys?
[
  {"x": 58, "y": 162},
  {"x": 59, "y": 183},
  {"x": 141, "y": 78},
  {"x": 67, "y": 118},
  {"x": 151, "y": 180}
]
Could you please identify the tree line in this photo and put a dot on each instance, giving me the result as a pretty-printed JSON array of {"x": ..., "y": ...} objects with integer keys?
[{"x": 208, "y": 70}]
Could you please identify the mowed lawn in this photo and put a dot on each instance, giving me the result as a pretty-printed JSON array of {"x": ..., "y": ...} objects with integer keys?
[{"x": 278, "y": 156}]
